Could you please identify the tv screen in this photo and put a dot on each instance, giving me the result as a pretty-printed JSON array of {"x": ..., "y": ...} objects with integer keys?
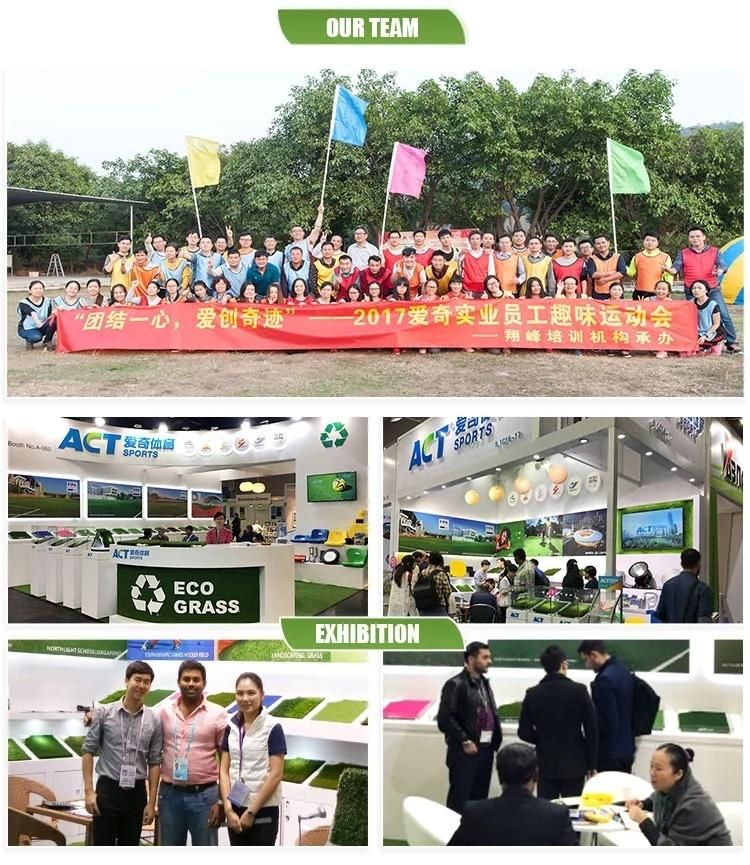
[
  {"x": 657, "y": 530},
  {"x": 333, "y": 487}
]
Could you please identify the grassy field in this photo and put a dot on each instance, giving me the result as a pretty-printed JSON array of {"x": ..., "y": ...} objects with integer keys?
[
  {"x": 534, "y": 548},
  {"x": 408, "y": 543},
  {"x": 363, "y": 373},
  {"x": 42, "y": 506},
  {"x": 167, "y": 509},
  {"x": 111, "y": 508}
]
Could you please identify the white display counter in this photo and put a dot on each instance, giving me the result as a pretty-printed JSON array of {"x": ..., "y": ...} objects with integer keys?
[
  {"x": 72, "y": 565},
  {"x": 98, "y": 584},
  {"x": 55, "y": 551},
  {"x": 19, "y": 559},
  {"x": 38, "y": 572}
]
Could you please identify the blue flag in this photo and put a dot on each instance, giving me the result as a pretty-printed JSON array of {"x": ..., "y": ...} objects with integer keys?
[{"x": 348, "y": 123}]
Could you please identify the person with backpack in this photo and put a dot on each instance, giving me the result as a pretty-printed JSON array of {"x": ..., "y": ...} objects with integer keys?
[
  {"x": 612, "y": 691},
  {"x": 685, "y": 598},
  {"x": 433, "y": 589},
  {"x": 468, "y": 719}
]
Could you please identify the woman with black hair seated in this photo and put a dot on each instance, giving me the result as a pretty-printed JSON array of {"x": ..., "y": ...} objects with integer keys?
[{"x": 679, "y": 813}]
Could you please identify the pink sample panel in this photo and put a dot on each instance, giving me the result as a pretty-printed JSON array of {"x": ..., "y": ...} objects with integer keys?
[{"x": 405, "y": 710}]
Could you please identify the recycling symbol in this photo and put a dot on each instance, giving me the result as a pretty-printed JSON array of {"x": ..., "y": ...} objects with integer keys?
[
  {"x": 334, "y": 435},
  {"x": 137, "y": 593}
]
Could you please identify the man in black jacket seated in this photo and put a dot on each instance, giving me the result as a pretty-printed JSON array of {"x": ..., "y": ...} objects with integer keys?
[
  {"x": 468, "y": 718},
  {"x": 558, "y": 717},
  {"x": 517, "y": 818}
]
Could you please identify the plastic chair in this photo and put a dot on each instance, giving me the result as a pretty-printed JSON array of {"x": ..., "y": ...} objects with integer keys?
[
  {"x": 22, "y": 827},
  {"x": 336, "y": 538},
  {"x": 317, "y": 837},
  {"x": 301, "y": 539},
  {"x": 621, "y": 785},
  {"x": 356, "y": 557},
  {"x": 427, "y": 823},
  {"x": 318, "y": 536},
  {"x": 732, "y": 814},
  {"x": 482, "y": 614},
  {"x": 457, "y": 568}
]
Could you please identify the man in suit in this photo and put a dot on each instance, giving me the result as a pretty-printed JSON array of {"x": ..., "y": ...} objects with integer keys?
[
  {"x": 517, "y": 818},
  {"x": 558, "y": 717},
  {"x": 612, "y": 693}
]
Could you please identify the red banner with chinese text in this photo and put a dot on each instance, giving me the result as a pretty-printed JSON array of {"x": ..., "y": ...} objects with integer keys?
[{"x": 526, "y": 324}]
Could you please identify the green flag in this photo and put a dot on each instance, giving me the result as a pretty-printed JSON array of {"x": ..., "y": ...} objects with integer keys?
[{"x": 627, "y": 173}]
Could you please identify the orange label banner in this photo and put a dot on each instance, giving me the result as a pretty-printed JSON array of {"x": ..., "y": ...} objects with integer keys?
[{"x": 526, "y": 324}]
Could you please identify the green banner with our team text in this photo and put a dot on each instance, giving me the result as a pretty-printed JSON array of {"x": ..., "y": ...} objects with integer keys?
[{"x": 371, "y": 27}]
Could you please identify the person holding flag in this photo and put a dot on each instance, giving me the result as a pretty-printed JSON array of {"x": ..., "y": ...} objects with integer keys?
[{"x": 204, "y": 167}]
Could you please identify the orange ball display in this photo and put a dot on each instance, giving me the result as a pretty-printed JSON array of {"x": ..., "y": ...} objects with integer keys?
[
  {"x": 522, "y": 485},
  {"x": 496, "y": 493},
  {"x": 557, "y": 474},
  {"x": 472, "y": 497}
]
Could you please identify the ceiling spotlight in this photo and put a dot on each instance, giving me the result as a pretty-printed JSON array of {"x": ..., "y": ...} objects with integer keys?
[
  {"x": 673, "y": 469},
  {"x": 408, "y": 498},
  {"x": 537, "y": 456},
  {"x": 99, "y": 421},
  {"x": 692, "y": 480},
  {"x": 245, "y": 426},
  {"x": 246, "y": 486},
  {"x": 443, "y": 486},
  {"x": 163, "y": 428},
  {"x": 425, "y": 492},
  {"x": 498, "y": 468},
  {"x": 137, "y": 426},
  {"x": 649, "y": 453},
  {"x": 469, "y": 478},
  {"x": 396, "y": 419},
  {"x": 621, "y": 436},
  {"x": 259, "y": 488},
  {"x": 583, "y": 441},
  {"x": 295, "y": 419},
  {"x": 214, "y": 428}
]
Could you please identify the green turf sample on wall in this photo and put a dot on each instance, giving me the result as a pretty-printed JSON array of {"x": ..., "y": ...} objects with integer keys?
[
  {"x": 224, "y": 699},
  {"x": 154, "y": 697},
  {"x": 75, "y": 743},
  {"x": 659, "y": 720},
  {"x": 509, "y": 712},
  {"x": 113, "y": 697},
  {"x": 350, "y": 817},
  {"x": 45, "y": 747},
  {"x": 548, "y": 607},
  {"x": 299, "y": 769},
  {"x": 575, "y": 611},
  {"x": 329, "y": 776},
  {"x": 296, "y": 707},
  {"x": 16, "y": 752},
  {"x": 312, "y": 598},
  {"x": 342, "y": 711},
  {"x": 268, "y": 650},
  {"x": 703, "y": 722}
]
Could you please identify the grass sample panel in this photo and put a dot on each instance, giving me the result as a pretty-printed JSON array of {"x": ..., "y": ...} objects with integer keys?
[
  {"x": 75, "y": 743},
  {"x": 45, "y": 747},
  {"x": 224, "y": 699},
  {"x": 312, "y": 598},
  {"x": 113, "y": 697},
  {"x": 350, "y": 826},
  {"x": 659, "y": 720},
  {"x": 524, "y": 602},
  {"x": 509, "y": 712},
  {"x": 575, "y": 611},
  {"x": 296, "y": 707},
  {"x": 299, "y": 769},
  {"x": 704, "y": 722},
  {"x": 329, "y": 776},
  {"x": 405, "y": 710},
  {"x": 342, "y": 711},
  {"x": 16, "y": 752},
  {"x": 548, "y": 607},
  {"x": 463, "y": 588}
]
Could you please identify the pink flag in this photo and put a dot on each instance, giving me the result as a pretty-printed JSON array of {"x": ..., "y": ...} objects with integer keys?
[{"x": 408, "y": 169}]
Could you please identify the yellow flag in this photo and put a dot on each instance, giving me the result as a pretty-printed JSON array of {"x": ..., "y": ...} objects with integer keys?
[{"x": 203, "y": 161}]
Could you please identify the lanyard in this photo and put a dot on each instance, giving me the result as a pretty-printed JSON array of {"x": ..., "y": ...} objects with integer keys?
[
  {"x": 192, "y": 732},
  {"x": 125, "y": 748},
  {"x": 242, "y": 747}
]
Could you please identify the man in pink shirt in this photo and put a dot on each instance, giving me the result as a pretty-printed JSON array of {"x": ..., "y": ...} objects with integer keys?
[
  {"x": 193, "y": 730},
  {"x": 219, "y": 534}
]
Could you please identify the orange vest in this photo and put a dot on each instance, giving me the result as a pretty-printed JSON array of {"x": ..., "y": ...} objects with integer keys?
[
  {"x": 506, "y": 270},
  {"x": 601, "y": 266},
  {"x": 649, "y": 269}
]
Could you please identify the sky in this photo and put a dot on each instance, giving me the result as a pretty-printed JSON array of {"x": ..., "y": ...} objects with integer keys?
[{"x": 89, "y": 119}]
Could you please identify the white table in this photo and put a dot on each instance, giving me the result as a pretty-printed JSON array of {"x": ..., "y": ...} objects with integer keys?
[{"x": 622, "y": 832}]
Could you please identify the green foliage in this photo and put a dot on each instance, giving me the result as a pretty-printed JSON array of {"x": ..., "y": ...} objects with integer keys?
[{"x": 350, "y": 817}]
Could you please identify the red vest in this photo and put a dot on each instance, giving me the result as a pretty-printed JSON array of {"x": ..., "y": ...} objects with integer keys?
[
  {"x": 699, "y": 265},
  {"x": 576, "y": 269},
  {"x": 474, "y": 272}
]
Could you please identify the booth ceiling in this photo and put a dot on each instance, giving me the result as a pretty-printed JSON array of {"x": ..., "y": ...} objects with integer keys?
[{"x": 191, "y": 424}]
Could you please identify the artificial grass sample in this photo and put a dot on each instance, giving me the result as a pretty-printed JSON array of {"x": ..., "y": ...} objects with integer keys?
[
  {"x": 224, "y": 698},
  {"x": 463, "y": 588},
  {"x": 659, "y": 720},
  {"x": 524, "y": 602},
  {"x": 154, "y": 697},
  {"x": 549, "y": 607},
  {"x": 299, "y": 769},
  {"x": 576, "y": 611},
  {"x": 45, "y": 747},
  {"x": 296, "y": 707},
  {"x": 113, "y": 697},
  {"x": 509, "y": 711},
  {"x": 329, "y": 776},
  {"x": 75, "y": 743},
  {"x": 16, "y": 752},
  {"x": 703, "y": 722},
  {"x": 350, "y": 817},
  {"x": 313, "y": 598},
  {"x": 342, "y": 711},
  {"x": 16, "y": 536},
  {"x": 268, "y": 650}
]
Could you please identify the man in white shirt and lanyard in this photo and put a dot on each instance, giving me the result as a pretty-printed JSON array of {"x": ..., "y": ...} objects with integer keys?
[
  {"x": 127, "y": 735},
  {"x": 193, "y": 731}
]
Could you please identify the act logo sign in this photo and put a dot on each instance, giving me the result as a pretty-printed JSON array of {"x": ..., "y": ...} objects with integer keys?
[
  {"x": 422, "y": 450},
  {"x": 93, "y": 442},
  {"x": 334, "y": 435}
]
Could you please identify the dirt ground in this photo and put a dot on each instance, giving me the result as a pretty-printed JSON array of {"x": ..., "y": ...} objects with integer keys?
[{"x": 364, "y": 373}]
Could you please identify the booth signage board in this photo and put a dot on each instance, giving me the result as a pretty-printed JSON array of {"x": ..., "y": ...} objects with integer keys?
[
  {"x": 171, "y": 650},
  {"x": 105, "y": 499},
  {"x": 182, "y": 595},
  {"x": 32, "y": 496},
  {"x": 727, "y": 462},
  {"x": 728, "y": 657},
  {"x": 682, "y": 437},
  {"x": 205, "y": 503},
  {"x": 108, "y": 649},
  {"x": 166, "y": 502}
]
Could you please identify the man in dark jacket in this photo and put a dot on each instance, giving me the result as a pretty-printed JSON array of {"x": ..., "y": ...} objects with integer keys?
[
  {"x": 469, "y": 721},
  {"x": 517, "y": 818},
  {"x": 558, "y": 717},
  {"x": 685, "y": 598},
  {"x": 612, "y": 693}
]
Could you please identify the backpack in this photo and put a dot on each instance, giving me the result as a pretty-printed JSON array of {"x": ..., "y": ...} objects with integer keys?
[
  {"x": 645, "y": 706},
  {"x": 425, "y": 593}
]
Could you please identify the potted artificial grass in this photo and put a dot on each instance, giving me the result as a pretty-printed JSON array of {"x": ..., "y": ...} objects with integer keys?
[
  {"x": 509, "y": 712},
  {"x": 299, "y": 769},
  {"x": 75, "y": 743},
  {"x": 350, "y": 817},
  {"x": 703, "y": 722},
  {"x": 576, "y": 611},
  {"x": 342, "y": 711},
  {"x": 45, "y": 747},
  {"x": 524, "y": 602},
  {"x": 296, "y": 707},
  {"x": 548, "y": 607},
  {"x": 16, "y": 752},
  {"x": 329, "y": 776},
  {"x": 223, "y": 699}
]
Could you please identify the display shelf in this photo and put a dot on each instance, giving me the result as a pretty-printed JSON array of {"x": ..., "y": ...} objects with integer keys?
[
  {"x": 43, "y": 716},
  {"x": 306, "y": 793},
  {"x": 329, "y": 775},
  {"x": 310, "y": 729}
]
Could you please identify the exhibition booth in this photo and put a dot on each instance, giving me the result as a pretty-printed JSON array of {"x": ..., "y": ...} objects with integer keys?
[
  {"x": 80, "y": 497},
  {"x": 624, "y": 495},
  {"x": 320, "y": 702},
  {"x": 699, "y": 681}
]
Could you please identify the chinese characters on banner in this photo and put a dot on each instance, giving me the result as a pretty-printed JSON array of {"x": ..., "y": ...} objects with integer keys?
[{"x": 547, "y": 324}]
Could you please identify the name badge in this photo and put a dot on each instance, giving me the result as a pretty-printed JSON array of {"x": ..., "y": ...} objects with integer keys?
[
  {"x": 127, "y": 777},
  {"x": 238, "y": 794},
  {"x": 180, "y": 769},
  {"x": 485, "y": 737}
]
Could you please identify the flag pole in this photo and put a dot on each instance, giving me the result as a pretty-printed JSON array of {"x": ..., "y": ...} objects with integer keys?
[
  {"x": 611, "y": 194},
  {"x": 387, "y": 193},
  {"x": 330, "y": 139},
  {"x": 197, "y": 213}
]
